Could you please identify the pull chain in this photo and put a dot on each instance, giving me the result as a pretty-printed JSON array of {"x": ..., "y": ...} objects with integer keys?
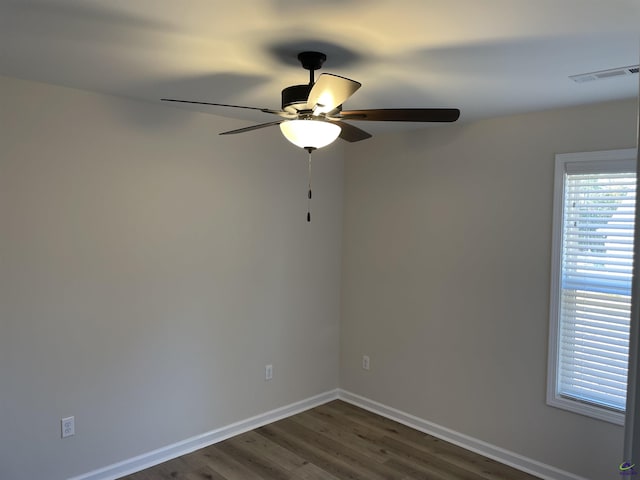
[{"x": 309, "y": 198}]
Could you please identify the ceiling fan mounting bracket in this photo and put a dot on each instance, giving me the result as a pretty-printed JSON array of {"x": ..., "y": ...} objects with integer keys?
[{"x": 312, "y": 60}]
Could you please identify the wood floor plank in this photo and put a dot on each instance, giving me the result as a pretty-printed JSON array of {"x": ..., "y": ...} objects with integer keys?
[
  {"x": 364, "y": 440},
  {"x": 203, "y": 466},
  {"x": 415, "y": 472},
  {"x": 371, "y": 420},
  {"x": 427, "y": 462},
  {"x": 453, "y": 454},
  {"x": 312, "y": 472},
  {"x": 335, "y": 441},
  {"x": 259, "y": 464},
  {"x": 178, "y": 468},
  {"x": 226, "y": 466},
  {"x": 204, "y": 473},
  {"x": 263, "y": 447},
  {"x": 339, "y": 460}
]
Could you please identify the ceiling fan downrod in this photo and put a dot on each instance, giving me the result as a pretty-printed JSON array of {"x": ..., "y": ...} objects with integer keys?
[{"x": 312, "y": 61}]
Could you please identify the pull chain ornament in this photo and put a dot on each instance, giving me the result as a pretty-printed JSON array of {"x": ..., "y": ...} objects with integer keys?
[{"x": 310, "y": 195}]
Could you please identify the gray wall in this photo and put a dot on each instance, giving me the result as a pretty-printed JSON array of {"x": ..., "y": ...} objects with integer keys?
[
  {"x": 149, "y": 269},
  {"x": 446, "y": 261}
]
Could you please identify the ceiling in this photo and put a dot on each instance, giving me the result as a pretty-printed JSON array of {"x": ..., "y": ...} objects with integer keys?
[{"x": 488, "y": 58}]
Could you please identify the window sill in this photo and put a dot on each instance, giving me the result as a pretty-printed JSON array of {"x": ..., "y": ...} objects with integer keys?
[{"x": 586, "y": 409}]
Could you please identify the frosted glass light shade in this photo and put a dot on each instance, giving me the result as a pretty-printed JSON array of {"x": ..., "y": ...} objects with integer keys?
[{"x": 310, "y": 133}]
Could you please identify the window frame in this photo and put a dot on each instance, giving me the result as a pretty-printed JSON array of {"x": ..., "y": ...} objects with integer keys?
[{"x": 613, "y": 160}]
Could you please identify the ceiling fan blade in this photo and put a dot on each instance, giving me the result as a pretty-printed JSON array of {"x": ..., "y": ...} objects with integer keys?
[
  {"x": 265, "y": 110},
  {"x": 329, "y": 91},
  {"x": 252, "y": 127},
  {"x": 403, "y": 115},
  {"x": 351, "y": 133}
]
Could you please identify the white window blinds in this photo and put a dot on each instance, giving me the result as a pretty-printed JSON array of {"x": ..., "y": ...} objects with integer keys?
[{"x": 595, "y": 283}]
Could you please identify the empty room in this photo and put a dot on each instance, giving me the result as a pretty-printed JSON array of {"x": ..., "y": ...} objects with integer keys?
[{"x": 296, "y": 239}]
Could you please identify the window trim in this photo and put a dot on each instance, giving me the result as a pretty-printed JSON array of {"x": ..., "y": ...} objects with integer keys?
[{"x": 611, "y": 158}]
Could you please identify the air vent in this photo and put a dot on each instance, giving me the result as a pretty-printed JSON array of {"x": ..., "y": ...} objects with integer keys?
[{"x": 602, "y": 74}]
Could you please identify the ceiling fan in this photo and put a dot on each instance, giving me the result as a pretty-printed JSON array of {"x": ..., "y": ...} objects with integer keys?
[{"x": 312, "y": 116}]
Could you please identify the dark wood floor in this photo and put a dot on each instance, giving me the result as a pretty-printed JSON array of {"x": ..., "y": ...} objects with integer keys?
[{"x": 335, "y": 441}]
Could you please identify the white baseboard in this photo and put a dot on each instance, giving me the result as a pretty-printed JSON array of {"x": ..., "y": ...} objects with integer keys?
[
  {"x": 192, "y": 444},
  {"x": 499, "y": 454}
]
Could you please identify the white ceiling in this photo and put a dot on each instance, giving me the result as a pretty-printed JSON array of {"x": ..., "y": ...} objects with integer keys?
[{"x": 486, "y": 57}]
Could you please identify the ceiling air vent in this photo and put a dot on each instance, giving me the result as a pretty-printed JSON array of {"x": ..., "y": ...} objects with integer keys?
[{"x": 602, "y": 74}]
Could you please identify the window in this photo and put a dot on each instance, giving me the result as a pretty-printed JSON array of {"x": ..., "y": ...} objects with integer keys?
[{"x": 592, "y": 260}]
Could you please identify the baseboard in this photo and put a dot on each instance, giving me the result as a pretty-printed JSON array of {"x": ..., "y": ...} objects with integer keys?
[
  {"x": 192, "y": 444},
  {"x": 499, "y": 454},
  {"x": 132, "y": 465}
]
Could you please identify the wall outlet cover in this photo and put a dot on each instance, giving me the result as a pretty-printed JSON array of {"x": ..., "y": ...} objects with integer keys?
[{"x": 68, "y": 427}]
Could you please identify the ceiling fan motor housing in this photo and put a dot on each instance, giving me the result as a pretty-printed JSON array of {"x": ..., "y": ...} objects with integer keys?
[{"x": 294, "y": 98}]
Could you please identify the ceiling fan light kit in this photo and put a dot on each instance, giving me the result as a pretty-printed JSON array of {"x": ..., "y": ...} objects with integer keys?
[{"x": 310, "y": 134}]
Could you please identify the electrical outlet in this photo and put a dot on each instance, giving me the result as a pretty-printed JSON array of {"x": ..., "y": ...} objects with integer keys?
[
  {"x": 68, "y": 427},
  {"x": 366, "y": 362},
  {"x": 268, "y": 372}
]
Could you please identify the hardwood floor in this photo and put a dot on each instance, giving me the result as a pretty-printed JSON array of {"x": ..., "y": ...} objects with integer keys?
[{"x": 335, "y": 441}]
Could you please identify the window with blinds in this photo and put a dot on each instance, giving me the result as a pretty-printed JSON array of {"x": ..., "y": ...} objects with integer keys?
[{"x": 592, "y": 269}]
